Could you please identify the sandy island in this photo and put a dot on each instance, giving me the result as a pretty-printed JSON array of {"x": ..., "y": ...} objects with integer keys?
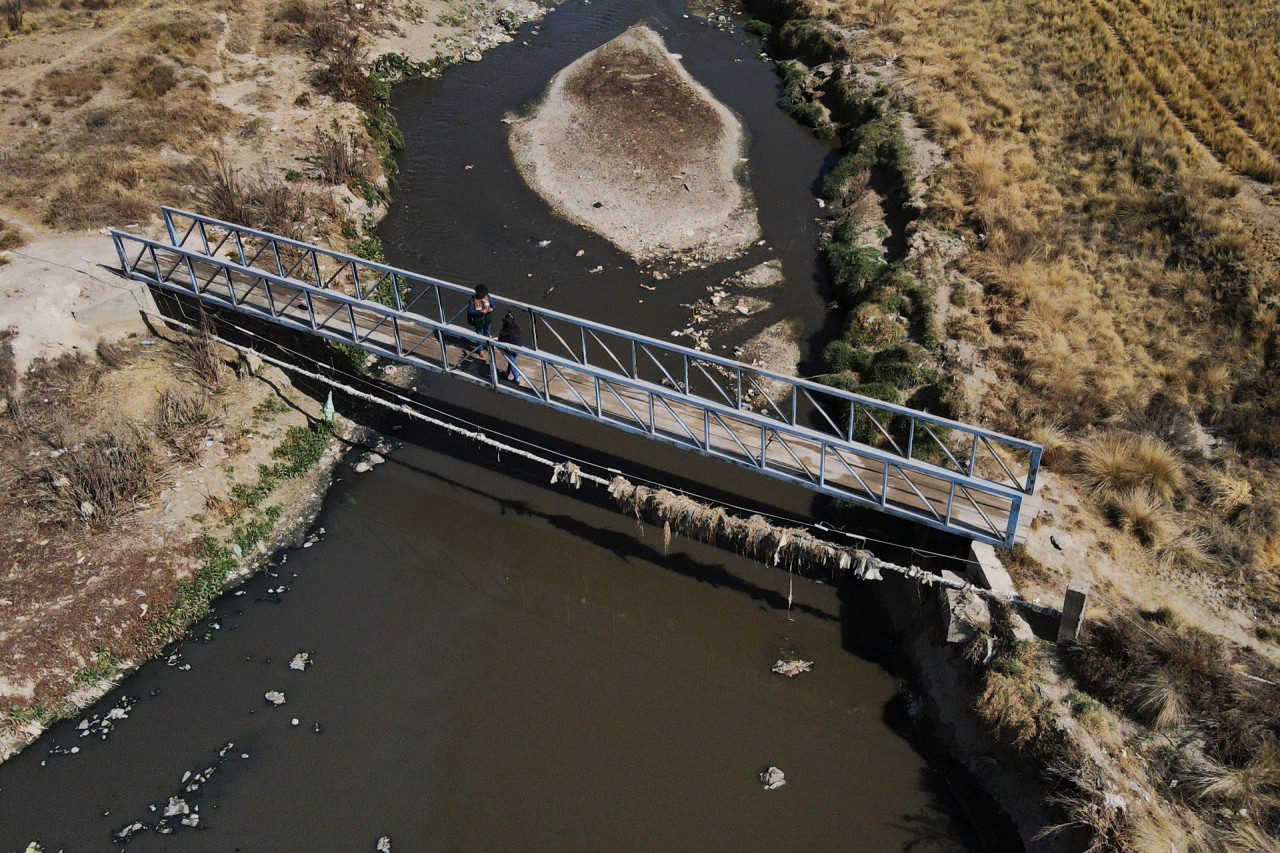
[{"x": 626, "y": 143}]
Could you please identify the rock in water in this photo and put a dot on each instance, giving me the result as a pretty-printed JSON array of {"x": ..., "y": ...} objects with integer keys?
[
  {"x": 772, "y": 778},
  {"x": 626, "y": 122}
]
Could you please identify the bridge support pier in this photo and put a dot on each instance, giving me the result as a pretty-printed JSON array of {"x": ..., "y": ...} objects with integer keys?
[{"x": 1073, "y": 611}]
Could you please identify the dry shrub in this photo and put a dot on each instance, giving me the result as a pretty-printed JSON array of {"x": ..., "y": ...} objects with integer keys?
[
  {"x": 13, "y": 12},
  {"x": 1182, "y": 679},
  {"x": 10, "y": 236},
  {"x": 156, "y": 83},
  {"x": 326, "y": 31},
  {"x": 182, "y": 35},
  {"x": 8, "y": 365},
  {"x": 220, "y": 508},
  {"x": 57, "y": 376},
  {"x": 181, "y": 422},
  {"x": 336, "y": 156},
  {"x": 343, "y": 78},
  {"x": 91, "y": 203},
  {"x": 77, "y": 86},
  {"x": 1116, "y": 465},
  {"x": 112, "y": 355},
  {"x": 265, "y": 202},
  {"x": 198, "y": 354},
  {"x": 1013, "y": 713},
  {"x": 99, "y": 481}
]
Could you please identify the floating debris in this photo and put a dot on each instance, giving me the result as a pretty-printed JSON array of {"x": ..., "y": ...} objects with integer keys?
[
  {"x": 542, "y": 244},
  {"x": 102, "y": 725},
  {"x": 792, "y": 668},
  {"x": 384, "y": 844},
  {"x": 275, "y": 697},
  {"x": 301, "y": 661},
  {"x": 772, "y": 779}
]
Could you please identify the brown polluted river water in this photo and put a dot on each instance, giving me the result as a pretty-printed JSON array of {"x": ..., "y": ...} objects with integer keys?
[{"x": 502, "y": 664}]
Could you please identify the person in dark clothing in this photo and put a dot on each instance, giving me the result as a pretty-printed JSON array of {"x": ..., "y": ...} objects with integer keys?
[
  {"x": 480, "y": 311},
  {"x": 510, "y": 334}
]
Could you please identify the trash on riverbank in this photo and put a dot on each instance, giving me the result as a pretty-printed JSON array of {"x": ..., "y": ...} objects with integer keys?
[
  {"x": 792, "y": 668},
  {"x": 772, "y": 778}
]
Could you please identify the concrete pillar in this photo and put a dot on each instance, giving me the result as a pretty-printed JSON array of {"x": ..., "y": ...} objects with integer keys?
[{"x": 1073, "y": 611}]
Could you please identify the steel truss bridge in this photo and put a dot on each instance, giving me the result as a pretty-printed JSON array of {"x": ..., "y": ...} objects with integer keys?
[{"x": 931, "y": 470}]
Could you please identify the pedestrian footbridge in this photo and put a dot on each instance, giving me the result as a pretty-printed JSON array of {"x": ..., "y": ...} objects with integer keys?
[{"x": 935, "y": 471}]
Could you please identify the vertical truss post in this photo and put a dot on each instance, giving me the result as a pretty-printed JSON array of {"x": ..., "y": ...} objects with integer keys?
[
  {"x": 168, "y": 225},
  {"x": 1032, "y": 469},
  {"x": 124, "y": 259}
]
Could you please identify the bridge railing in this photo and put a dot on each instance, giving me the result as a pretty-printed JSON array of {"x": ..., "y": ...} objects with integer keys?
[
  {"x": 914, "y": 489},
  {"x": 898, "y": 430}
]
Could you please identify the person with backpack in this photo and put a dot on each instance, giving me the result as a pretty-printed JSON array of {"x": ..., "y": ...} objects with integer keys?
[
  {"x": 480, "y": 318},
  {"x": 510, "y": 334},
  {"x": 480, "y": 311}
]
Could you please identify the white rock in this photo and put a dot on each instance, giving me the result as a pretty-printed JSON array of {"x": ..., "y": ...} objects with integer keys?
[{"x": 772, "y": 778}]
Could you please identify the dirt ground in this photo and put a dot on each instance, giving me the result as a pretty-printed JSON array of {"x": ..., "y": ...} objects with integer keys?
[{"x": 627, "y": 144}]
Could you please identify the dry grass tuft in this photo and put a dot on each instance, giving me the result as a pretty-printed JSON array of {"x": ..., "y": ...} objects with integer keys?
[
  {"x": 181, "y": 422},
  {"x": 1248, "y": 786},
  {"x": 1159, "y": 701},
  {"x": 1120, "y": 464},
  {"x": 1228, "y": 493},
  {"x": 98, "y": 482},
  {"x": 1139, "y": 512},
  {"x": 111, "y": 354}
]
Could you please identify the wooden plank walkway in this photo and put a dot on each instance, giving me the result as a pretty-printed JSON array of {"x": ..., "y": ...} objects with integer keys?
[{"x": 900, "y": 486}]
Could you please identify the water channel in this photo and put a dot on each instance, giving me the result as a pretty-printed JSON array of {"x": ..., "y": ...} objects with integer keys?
[{"x": 500, "y": 664}]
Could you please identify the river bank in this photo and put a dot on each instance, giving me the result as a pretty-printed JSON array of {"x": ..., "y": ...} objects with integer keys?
[
  {"x": 976, "y": 280},
  {"x": 187, "y": 466}
]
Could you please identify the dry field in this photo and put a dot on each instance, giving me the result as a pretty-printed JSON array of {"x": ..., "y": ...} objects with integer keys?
[{"x": 1110, "y": 168}]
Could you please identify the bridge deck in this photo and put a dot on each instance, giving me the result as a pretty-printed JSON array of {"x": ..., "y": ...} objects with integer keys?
[{"x": 904, "y": 487}]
